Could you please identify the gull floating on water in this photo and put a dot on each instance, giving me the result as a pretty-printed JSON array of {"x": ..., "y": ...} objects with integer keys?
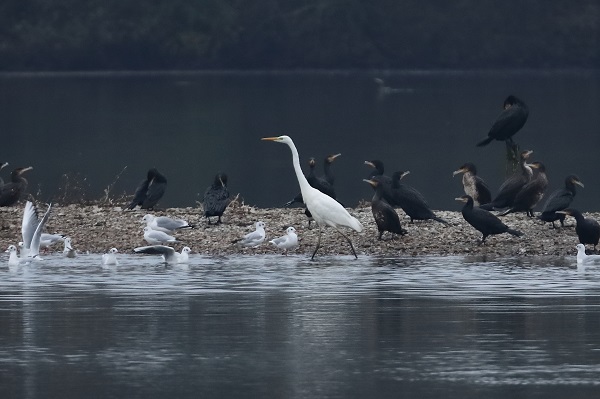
[
  {"x": 69, "y": 252},
  {"x": 110, "y": 258},
  {"x": 31, "y": 229},
  {"x": 155, "y": 237},
  {"x": 255, "y": 238},
  {"x": 584, "y": 259},
  {"x": 165, "y": 224},
  {"x": 13, "y": 259},
  {"x": 288, "y": 241},
  {"x": 169, "y": 254}
]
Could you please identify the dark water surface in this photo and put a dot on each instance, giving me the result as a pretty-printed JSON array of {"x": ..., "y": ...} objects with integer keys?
[
  {"x": 272, "y": 326},
  {"x": 191, "y": 125}
]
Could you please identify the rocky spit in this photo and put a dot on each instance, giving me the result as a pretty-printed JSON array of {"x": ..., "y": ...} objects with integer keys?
[{"x": 97, "y": 228}]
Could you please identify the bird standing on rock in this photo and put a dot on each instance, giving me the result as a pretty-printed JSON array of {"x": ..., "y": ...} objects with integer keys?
[
  {"x": 484, "y": 221},
  {"x": 384, "y": 214},
  {"x": 216, "y": 198},
  {"x": 155, "y": 237},
  {"x": 473, "y": 184},
  {"x": 531, "y": 193},
  {"x": 511, "y": 186},
  {"x": 255, "y": 238},
  {"x": 325, "y": 210},
  {"x": 559, "y": 200},
  {"x": 509, "y": 122},
  {"x": 150, "y": 190},
  {"x": 587, "y": 229},
  {"x": 288, "y": 241},
  {"x": 411, "y": 200},
  {"x": 165, "y": 224}
]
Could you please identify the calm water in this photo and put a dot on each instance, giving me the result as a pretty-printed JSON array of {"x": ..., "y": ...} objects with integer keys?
[
  {"x": 272, "y": 326},
  {"x": 191, "y": 125}
]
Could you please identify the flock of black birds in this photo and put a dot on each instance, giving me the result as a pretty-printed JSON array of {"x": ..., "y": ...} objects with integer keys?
[{"x": 521, "y": 192}]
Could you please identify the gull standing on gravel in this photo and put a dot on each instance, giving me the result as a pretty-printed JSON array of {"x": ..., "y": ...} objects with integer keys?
[
  {"x": 110, "y": 258},
  {"x": 287, "y": 241},
  {"x": 31, "y": 229},
  {"x": 155, "y": 237},
  {"x": 255, "y": 238},
  {"x": 165, "y": 224},
  {"x": 169, "y": 254}
]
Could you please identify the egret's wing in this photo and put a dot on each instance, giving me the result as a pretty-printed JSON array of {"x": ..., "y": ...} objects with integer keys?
[
  {"x": 30, "y": 223},
  {"x": 34, "y": 250}
]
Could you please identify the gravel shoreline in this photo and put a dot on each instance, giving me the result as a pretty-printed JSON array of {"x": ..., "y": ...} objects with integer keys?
[{"x": 95, "y": 229}]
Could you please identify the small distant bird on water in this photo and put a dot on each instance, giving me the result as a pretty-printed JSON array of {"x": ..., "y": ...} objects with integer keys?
[
  {"x": 583, "y": 258},
  {"x": 255, "y": 238},
  {"x": 509, "y": 122},
  {"x": 110, "y": 258},
  {"x": 169, "y": 254},
  {"x": 484, "y": 221},
  {"x": 10, "y": 193},
  {"x": 155, "y": 237},
  {"x": 473, "y": 184},
  {"x": 165, "y": 224},
  {"x": 325, "y": 210},
  {"x": 13, "y": 259},
  {"x": 216, "y": 198},
  {"x": 559, "y": 200},
  {"x": 69, "y": 251},
  {"x": 150, "y": 190},
  {"x": 288, "y": 241}
]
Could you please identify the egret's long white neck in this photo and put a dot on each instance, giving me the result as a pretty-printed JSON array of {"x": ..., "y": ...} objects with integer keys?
[{"x": 304, "y": 186}]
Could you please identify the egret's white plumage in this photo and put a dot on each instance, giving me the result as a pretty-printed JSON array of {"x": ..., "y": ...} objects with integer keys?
[
  {"x": 68, "y": 251},
  {"x": 165, "y": 224},
  {"x": 155, "y": 237},
  {"x": 255, "y": 238},
  {"x": 169, "y": 254},
  {"x": 31, "y": 229},
  {"x": 110, "y": 258},
  {"x": 13, "y": 259},
  {"x": 325, "y": 210},
  {"x": 287, "y": 241},
  {"x": 584, "y": 259}
]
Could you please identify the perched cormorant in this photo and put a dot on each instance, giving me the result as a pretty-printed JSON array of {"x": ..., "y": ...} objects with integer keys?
[
  {"x": 588, "y": 230},
  {"x": 10, "y": 193},
  {"x": 379, "y": 171},
  {"x": 531, "y": 193},
  {"x": 509, "y": 122},
  {"x": 559, "y": 200},
  {"x": 329, "y": 177},
  {"x": 385, "y": 216},
  {"x": 484, "y": 221},
  {"x": 216, "y": 198},
  {"x": 320, "y": 183},
  {"x": 411, "y": 201},
  {"x": 511, "y": 186},
  {"x": 474, "y": 185},
  {"x": 150, "y": 190}
]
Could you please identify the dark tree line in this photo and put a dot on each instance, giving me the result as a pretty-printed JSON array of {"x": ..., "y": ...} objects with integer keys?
[{"x": 264, "y": 34}]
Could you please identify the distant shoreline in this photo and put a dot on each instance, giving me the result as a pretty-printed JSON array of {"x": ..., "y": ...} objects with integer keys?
[{"x": 95, "y": 229}]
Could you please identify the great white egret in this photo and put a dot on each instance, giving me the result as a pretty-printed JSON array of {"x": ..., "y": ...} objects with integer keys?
[{"x": 325, "y": 210}]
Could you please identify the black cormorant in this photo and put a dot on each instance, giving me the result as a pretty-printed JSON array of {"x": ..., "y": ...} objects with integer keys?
[
  {"x": 511, "y": 186},
  {"x": 560, "y": 199},
  {"x": 327, "y": 168},
  {"x": 216, "y": 198},
  {"x": 484, "y": 221},
  {"x": 385, "y": 216},
  {"x": 509, "y": 122},
  {"x": 10, "y": 193},
  {"x": 474, "y": 185},
  {"x": 150, "y": 190},
  {"x": 588, "y": 230},
  {"x": 531, "y": 193},
  {"x": 320, "y": 183},
  {"x": 411, "y": 201}
]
